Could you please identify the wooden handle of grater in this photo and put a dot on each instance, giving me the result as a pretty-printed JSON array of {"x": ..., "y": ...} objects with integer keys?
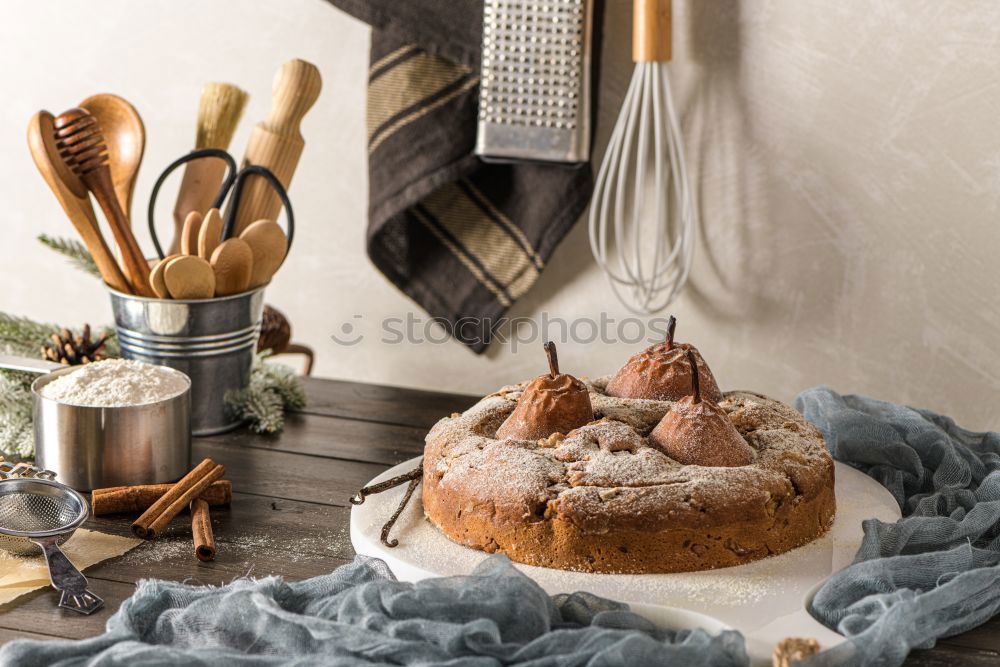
[{"x": 651, "y": 38}]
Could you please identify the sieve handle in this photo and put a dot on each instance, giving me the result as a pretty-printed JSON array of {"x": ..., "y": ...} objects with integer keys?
[
  {"x": 67, "y": 579},
  {"x": 28, "y": 365}
]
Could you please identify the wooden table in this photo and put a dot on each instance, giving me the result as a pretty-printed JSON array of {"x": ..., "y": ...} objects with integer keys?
[{"x": 290, "y": 510}]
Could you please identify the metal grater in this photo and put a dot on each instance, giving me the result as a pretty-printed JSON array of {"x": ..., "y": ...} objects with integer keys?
[{"x": 534, "y": 96}]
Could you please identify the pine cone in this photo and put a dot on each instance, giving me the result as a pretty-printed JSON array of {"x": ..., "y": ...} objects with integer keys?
[{"x": 74, "y": 350}]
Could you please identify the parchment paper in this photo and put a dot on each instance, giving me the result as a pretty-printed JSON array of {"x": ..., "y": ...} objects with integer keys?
[{"x": 23, "y": 574}]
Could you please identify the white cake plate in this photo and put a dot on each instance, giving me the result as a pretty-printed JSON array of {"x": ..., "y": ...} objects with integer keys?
[{"x": 766, "y": 600}]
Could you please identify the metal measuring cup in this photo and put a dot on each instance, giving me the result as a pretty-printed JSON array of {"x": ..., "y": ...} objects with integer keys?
[
  {"x": 96, "y": 447},
  {"x": 39, "y": 514}
]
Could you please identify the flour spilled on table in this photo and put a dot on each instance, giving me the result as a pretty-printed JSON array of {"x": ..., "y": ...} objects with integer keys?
[{"x": 248, "y": 548}]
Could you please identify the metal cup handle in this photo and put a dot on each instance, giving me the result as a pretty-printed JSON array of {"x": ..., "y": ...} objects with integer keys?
[
  {"x": 67, "y": 579},
  {"x": 28, "y": 365}
]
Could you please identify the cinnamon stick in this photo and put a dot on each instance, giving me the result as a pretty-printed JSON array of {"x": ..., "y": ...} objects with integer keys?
[
  {"x": 170, "y": 504},
  {"x": 137, "y": 499},
  {"x": 201, "y": 529}
]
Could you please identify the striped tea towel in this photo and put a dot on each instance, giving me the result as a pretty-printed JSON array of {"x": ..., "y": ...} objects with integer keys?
[{"x": 463, "y": 238}]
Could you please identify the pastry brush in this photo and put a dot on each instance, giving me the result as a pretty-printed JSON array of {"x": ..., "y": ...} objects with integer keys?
[{"x": 219, "y": 113}]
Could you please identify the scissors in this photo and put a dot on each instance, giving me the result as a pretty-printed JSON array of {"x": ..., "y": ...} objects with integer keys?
[{"x": 232, "y": 184}]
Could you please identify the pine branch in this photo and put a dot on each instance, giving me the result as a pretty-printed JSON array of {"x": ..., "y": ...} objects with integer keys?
[
  {"x": 73, "y": 250},
  {"x": 17, "y": 438},
  {"x": 283, "y": 381},
  {"x": 273, "y": 390},
  {"x": 24, "y": 336},
  {"x": 261, "y": 408}
]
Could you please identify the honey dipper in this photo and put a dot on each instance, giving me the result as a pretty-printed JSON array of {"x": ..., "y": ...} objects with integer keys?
[
  {"x": 81, "y": 145},
  {"x": 73, "y": 197}
]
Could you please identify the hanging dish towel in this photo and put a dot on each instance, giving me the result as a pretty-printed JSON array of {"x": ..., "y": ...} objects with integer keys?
[{"x": 463, "y": 238}]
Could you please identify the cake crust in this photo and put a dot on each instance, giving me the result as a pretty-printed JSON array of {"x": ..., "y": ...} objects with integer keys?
[{"x": 602, "y": 498}]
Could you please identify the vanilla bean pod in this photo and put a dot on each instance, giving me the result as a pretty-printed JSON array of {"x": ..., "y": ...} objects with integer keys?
[
  {"x": 413, "y": 477},
  {"x": 360, "y": 496},
  {"x": 399, "y": 510}
]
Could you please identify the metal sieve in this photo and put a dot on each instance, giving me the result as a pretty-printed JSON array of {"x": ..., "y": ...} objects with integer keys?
[{"x": 39, "y": 514}]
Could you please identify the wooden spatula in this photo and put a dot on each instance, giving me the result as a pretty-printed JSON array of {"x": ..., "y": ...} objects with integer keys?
[
  {"x": 156, "y": 277},
  {"x": 189, "y": 277},
  {"x": 269, "y": 245},
  {"x": 189, "y": 234},
  {"x": 210, "y": 234},
  {"x": 232, "y": 262}
]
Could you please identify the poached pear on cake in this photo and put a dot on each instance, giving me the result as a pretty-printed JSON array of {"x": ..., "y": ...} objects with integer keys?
[
  {"x": 551, "y": 403},
  {"x": 661, "y": 372},
  {"x": 696, "y": 431}
]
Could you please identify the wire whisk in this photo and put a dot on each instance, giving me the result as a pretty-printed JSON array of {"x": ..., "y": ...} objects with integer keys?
[{"x": 645, "y": 247}]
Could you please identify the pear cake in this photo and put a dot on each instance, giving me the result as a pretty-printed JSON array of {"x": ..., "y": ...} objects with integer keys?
[{"x": 567, "y": 474}]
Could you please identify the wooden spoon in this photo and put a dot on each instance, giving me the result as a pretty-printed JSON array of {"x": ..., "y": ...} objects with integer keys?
[
  {"x": 232, "y": 262},
  {"x": 189, "y": 233},
  {"x": 189, "y": 277},
  {"x": 209, "y": 234},
  {"x": 269, "y": 245},
  {"x": 156, "y": 277},
  {"x": 73, "y": 197},
  {"x": 125, "y": 137}
]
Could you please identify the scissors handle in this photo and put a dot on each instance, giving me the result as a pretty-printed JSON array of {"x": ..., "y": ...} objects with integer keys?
[
  {"x": 234, "y": 181},
  {"x": 184, "y": 159},
  {"x": 279, "y": 189}
]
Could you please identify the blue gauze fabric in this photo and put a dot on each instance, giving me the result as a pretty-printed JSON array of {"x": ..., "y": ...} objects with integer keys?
[
  {"x": 360, "y": 615},
  {"x": 932, "y": 574}
]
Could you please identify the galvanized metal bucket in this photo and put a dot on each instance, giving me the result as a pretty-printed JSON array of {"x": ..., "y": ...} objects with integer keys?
[{"x": 210, "y": 340}]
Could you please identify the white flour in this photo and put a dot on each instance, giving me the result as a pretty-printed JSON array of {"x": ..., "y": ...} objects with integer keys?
[{"x": 116, "y": 383}]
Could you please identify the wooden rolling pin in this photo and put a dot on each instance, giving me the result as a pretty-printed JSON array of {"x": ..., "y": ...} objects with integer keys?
[{"x": 277, "y": 143}]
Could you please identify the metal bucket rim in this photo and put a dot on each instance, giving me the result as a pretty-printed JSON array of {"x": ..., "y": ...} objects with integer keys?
[{"x": 217, "y": 299}]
